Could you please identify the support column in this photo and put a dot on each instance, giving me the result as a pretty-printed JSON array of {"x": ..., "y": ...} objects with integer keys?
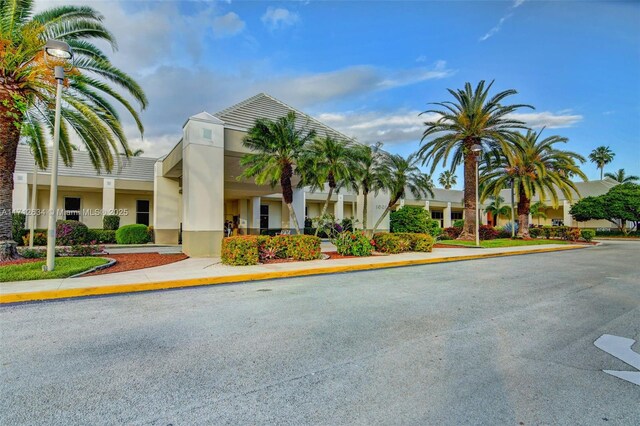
[
  {"x": 243, "y": 209},
  {"x": 20, "y": 192},
  {"x": 203, "y": 186},
  {"x": 359, "y": 211},
  {"x": 567, "y": 218},
  {"x": 338, "y": 208},
  {"x": 446, "y": 216},
  {"x": 427, "y": 206},
  {"x": 255, "y": 216},
  {"x": 483, "y": 215},
  {"x": 108, "y": 196},
  {"x": 166, "y": 207}
]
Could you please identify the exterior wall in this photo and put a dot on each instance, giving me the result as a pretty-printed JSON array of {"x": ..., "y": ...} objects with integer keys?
[{"x": 128, "y": 202}]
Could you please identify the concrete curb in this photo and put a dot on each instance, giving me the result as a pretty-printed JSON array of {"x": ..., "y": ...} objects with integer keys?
[
  {"x": 230, "y": 279},
  {"x": 110, "y": 262}
]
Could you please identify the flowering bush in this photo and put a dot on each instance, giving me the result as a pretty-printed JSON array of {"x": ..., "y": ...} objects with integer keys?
[
  {"x": 303, "y": 247},
  {"x": 353, "y": 244},
  {"x": 402, "y": 242},
  {"x": 70, "y": 232},
  {"x": 240, "y": 251},
  {"x": 572, "y": 234},
  {"x": 389, "y": 243},
  {"x": 488, "y": 232},
  {"x": 39, "y": 239},
  {"x": 422, "y": 243}
]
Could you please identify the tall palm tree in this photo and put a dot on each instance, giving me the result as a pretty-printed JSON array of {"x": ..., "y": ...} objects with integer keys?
[
  {"x": 473, "y": 119},
  {"x": 277, "y": 146},
  {"x": 601, "y": 156},
  {"x": 537, "y": 210},
  {"x": 28, "y": 89},
  {"x": 622, "y": 177},
  {"x": 536, "y": 167},
  {"x": 401, "y": 174},
  {"x": 497, "y": 208},
  {"x": 368, "y": 174},
  {"x": 327, "y": 161},
  {"x": 447, "y": 179}
]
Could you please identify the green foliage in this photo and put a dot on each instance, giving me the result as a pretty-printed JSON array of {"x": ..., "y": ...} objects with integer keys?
[
  {"x": 451, "y": 233},
  {"x": 132, "y": 234},
  {"x": 572, "y": 234},
  {"x": 413, "y": 219},
  {"x": 70, "y": 232},
  {"x": 458, "y": 223},
  {"x": 588, "y": 234},
  {"x": 535, "y": 232},
  {"x": 619, "y": 205},
  {"x": 39, "y": 237},
  {"x": 240, "y": 251},
  {"x": 488, "y": 232},
  {"x": 422, "y": 242},
  {"x": 17, "y": 226},
  {"x": 388, "y": 243},
  {"x": 102, "y": 236},
  {"x": 601, "y": 156},
  {"x": 402, "y": 242},
  {"x": 110, "y": 222},
  {"x": 303, "y": 247},
  {"x": 350, "y": 243},
  {"x": 65, "y": 267},
  {"x": 29, "y": 253},
  {"x": 621, "y": 177}
]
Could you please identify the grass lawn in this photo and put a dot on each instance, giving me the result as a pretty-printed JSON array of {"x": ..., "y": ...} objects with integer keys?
[
  {"x": 65, "y": 267},
  {"x": 504, "y": 242}
]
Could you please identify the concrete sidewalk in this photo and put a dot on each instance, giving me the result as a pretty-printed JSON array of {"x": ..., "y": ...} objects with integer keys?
[{"x": 206, "y": 271}]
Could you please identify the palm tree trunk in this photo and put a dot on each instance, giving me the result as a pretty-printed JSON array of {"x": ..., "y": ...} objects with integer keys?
[
  {"x": 9, "y": 138},
  {"x": 601, "y": 172},
  {"x": 386, "y": 211},
  {"x": 287, "y": 194},
  {"x": 469, "y": 230},
  {"x": 524, "y": 206},
  {"x": 365, "y": 211},
  {"x": 324, "y": 208}
]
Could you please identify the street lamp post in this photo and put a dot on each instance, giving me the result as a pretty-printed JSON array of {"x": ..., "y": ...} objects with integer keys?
[
  {"x": 513, "y": 213},
  {"x": 477, "y": 150},
  {"x": 62, "y": 52}
]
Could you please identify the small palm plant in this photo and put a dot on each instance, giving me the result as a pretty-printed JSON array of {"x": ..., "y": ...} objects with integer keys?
[
  {"x": 327, "y": 161},
  {"x": 400, "y": 175},
  {"x": 497, "y": 208},
  {"x": 28, "y": 91},
  {"x": 535, "y": 167},
  {"x": 621, "y": 177},
  {"x": 601, "y": 156},
  {"x": 277, "y": 146},
  {"x": 537, "y": 210},
  {"x": 447, "y": 179},
  {"x": 474, "y": 118}
]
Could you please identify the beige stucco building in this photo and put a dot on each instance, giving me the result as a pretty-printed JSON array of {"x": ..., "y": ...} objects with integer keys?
[{"x": 188, "y": 194}]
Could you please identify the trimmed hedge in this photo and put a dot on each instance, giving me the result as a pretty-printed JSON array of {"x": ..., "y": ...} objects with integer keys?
[
  {"x": 110, "y": 222},
  {"x": 133, "y": 234},
  {"x": 102, "y": 236},
  {"x": 401, "y": 242},
  {"x": 70, "y": 232},
  {"x": 353, "y": 244},
  {"x": 588, "y": 234},
  {"x": 18, "y": 221},
  {"x": 413, "y": 219},
  {"x": 251, "y": 249}
]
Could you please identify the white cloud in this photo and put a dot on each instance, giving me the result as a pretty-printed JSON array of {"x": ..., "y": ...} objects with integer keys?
[
  {"x": 227, "y": 25},
  {"x": 547, "y": 119},
  {"x": 497, "y": 28},
  {"x": 278, "y": 18},
  {"x": 517, "y": 3}
]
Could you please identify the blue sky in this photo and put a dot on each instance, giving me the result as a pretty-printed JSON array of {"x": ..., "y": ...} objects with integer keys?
[{"x": 369, "y": 68}]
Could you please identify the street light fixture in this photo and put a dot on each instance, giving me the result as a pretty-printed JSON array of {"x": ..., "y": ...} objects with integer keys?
[
  {"x": 61, "y": 51},
  {"x": 476, "y": 149}
]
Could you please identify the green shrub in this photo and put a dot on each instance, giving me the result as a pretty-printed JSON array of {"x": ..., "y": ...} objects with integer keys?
[
  {"x": 29, "y": 253},
  {"x": 132, "y": 234},
  {"x": 303, "y": 247},
  {"x": 353, "y": 244},
  {"x": 535, "y": 232},
  {"x": 413, "y": 219},
  {"x": 572, "y": 234},
  {"x": 70, "y": 232},
  {"x": 102, "y": 236},
  {"x": 240, "y": 251},
  {"x": 280, "y": 245},
  {"x": 588, "y": 234},
  {"x": 388, "y": 243},
  {"x": 423, "y": 243},
  {"x": 110, "y": 222},
  {"x": 488, "y": 232},
  {"x": 458, "y": 223},
  {"x": 39, "y": 238},
  {"x": 452, "y": 233},
  {"x": 18, "y": 221}
]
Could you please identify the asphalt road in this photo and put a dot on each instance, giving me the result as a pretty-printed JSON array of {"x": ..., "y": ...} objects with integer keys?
[{"x": 495, "y": 341}]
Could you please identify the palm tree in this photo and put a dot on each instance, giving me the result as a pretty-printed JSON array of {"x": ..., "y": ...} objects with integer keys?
[
  {"x": 601, "y": 156},
  {"x": 447, "y": 179},
  {"x": 327, "y": 161},
  {"x": 473, "y": 119},
  {"x": 277, "y": 146},
  {"x": 130, "y": 153},
  {"x": 27, "y": 91},
  {"x": 367, "y": 176},
  {"x": 537, "y": 210},
  {"x": 621, "y": 177},
  {"x": 497, "y": 208},
  {"x": 536, "y": 167},
  {"x": 398, "y": 176}
]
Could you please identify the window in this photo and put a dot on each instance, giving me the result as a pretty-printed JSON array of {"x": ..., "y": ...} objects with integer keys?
[
  {"x": 142, "y": 212},
  {"x": 264, "y": 217},
  {"x": 72, "y": 208},
  {"x": 557, "y": 222},
  {"x": 456, "y": 215},
  {"x": 207, "y": 134},
  {"x": 437, "y": 215}
]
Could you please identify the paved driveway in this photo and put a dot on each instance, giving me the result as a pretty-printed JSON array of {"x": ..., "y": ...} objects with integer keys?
[{"x": 495, "y": 341}]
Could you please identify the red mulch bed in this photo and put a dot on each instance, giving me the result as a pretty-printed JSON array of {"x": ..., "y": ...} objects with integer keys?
[
  {"x": 133, "y": 261},
  {"x": 19, "y": 261}
]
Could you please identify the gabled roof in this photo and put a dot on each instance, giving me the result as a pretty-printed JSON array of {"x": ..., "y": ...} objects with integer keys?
[
  {"x": 132, "y": 168},
  {"x": 243, "y": 115}
]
